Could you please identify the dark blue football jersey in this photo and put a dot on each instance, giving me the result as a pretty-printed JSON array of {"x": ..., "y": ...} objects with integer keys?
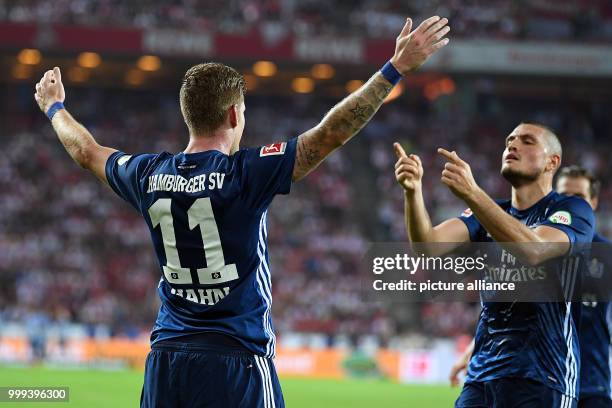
[
  {"x": 535, "y": 340},
  {"x": 206, "y": 213},
  {"x": 595, "y": 336}
]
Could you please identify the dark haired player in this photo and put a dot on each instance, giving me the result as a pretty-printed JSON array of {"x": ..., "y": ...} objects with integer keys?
[
  {"x": 206, "y": 209},
  {"x": 595, "y": 332},
  {"x": 525, "y": 354},
  {"x": 596, "y": 316}
]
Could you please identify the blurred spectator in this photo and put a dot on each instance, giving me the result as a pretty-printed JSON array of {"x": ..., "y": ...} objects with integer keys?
[{"x": 496, "y": 19}]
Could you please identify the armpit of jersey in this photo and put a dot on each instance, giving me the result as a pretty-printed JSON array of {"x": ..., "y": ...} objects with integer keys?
[{"x": 477, "y": 232}]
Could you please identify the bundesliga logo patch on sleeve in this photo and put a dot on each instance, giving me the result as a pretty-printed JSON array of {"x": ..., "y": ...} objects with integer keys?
[
  {"x": 273, "y": 149},
  {"x": 561, "y": 217}
]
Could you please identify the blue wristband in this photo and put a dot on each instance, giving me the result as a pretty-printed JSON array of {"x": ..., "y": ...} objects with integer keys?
[
  {"x": 53, "y": 109},
  {"x": 390, "y": 73}
]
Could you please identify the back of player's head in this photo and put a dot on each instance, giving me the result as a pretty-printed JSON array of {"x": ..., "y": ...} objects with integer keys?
[
  {"x": 207, "y": 92},
  {"x": 575, "y": 171}
]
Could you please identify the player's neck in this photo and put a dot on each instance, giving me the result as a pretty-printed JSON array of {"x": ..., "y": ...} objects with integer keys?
[
  {"x": 526, "y": 195},
  {"x": 221, "y": 141}
]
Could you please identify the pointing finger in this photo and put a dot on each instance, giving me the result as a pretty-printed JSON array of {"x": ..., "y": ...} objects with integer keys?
[
  {"x": 445, "y": 153},
  {"x": 452, "y": 156},
  {"x": 399, "y": 150}
]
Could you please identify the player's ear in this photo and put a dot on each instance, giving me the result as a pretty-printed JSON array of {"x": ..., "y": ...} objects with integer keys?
[
  {"x": 233, "y": 115},
  {"x": 554, "y": 162}
]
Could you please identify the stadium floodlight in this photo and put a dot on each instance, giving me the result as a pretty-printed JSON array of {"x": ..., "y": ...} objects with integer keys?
[
  {"x": 89, "y": 60},
  {"x": 29, "y": 56},
  {"x": 353, "y": 85},
  {"x": 302, "y": 85},
  {"x": 149, "y": 63},
  {"x": 264, "y": 68},
  {"x": 322, "y": 71}
]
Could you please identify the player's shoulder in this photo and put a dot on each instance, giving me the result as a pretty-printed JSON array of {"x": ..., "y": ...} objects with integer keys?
[
  {"x": 569, "y": 202},
  {"x": 135, "y": 163},
  {"x": 269, "y": 150}
]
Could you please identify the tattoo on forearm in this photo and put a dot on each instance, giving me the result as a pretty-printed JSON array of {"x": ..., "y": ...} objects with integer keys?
[
  {"x": 359, "y": 112},
  {"x": 307, "y": 155},
  {"x": 355, "y": 111},
  {"x": 340, "y": 124}
]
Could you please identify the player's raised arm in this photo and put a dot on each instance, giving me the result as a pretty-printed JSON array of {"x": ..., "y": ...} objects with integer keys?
[
  {"x": 343, "y": 121},
  {"x": 77, "y": 140},
  {"x": 409, "y": 174}
]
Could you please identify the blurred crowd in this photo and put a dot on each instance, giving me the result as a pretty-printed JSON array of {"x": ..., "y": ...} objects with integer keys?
[
  {"x": 565, "y": 20},
  {"x": 73, "y": 251}
]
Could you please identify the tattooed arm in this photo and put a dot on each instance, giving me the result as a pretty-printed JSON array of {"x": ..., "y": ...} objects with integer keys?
[{"x": 349, "y": 116}]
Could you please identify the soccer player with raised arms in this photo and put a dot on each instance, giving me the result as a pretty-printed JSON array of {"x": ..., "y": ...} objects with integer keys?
[
  {"x": 206, "y": 208},
  {"x": 525, "y": 354}
]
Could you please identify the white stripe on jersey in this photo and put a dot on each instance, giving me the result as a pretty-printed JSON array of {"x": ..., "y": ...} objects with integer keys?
[
  {"x": 265, "y": 289},
  {"x": 269, "y": 282},
  {"x": 570, "y": 360},
  {"x": 264, "y": 277}
]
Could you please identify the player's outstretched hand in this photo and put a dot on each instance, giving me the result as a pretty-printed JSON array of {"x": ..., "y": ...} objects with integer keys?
[
  {"x": 50, "y": 89},
  {"x": 408, "y": 169},
  {"x": 457, "y": 175},
  {"x": 412, "y": 49}
]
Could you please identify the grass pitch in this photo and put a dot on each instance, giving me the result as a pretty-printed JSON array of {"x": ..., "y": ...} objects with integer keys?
[{"x": 94, "y": 388}]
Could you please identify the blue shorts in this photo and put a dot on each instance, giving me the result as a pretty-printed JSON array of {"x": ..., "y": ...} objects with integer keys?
[
  {"x": 190, "y": 375},
  {"x": 511, "y": 393}
]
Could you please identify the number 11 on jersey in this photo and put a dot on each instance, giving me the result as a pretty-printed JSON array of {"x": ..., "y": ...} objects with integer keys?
[{"x": 199, "y": 214}]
